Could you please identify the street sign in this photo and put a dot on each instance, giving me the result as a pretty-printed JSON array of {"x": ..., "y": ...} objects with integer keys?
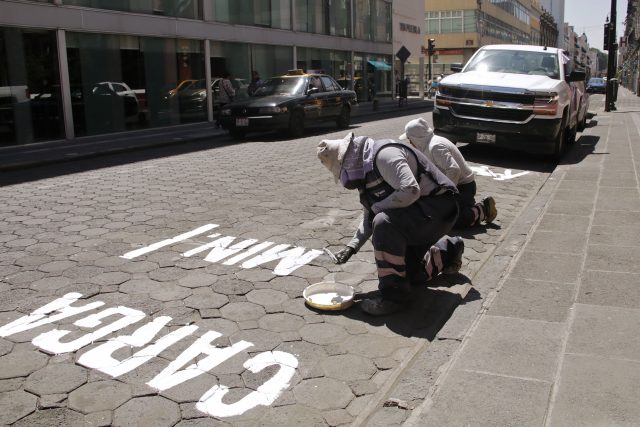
[{"x": 403, "y": 54}]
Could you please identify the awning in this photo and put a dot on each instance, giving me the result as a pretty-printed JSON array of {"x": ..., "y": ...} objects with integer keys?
[{"x": 380, "y": 65}]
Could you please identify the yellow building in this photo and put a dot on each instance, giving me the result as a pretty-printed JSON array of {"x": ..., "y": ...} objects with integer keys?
[{"x": 460, "y": 27}]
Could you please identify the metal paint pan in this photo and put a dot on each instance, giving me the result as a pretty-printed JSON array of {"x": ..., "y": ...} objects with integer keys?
[{"x": 329, "y": 296}]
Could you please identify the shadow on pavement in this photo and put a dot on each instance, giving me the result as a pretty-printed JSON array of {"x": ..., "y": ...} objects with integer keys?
[
  {"x": 505, "y": 158},
  {"x": 431, "y": 306},
  {"x": 470, "y": 232},
  {"x": 102, "y": 160},
  {"x": 583, "y": 147}
]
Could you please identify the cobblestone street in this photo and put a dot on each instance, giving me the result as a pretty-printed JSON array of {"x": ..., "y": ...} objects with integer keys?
[{"x": 168, "y": 291}]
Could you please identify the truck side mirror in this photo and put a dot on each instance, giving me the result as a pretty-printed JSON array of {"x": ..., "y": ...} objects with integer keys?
[
  {"x": 577, "y": 76},
  {"x": 456, "y": 68}
]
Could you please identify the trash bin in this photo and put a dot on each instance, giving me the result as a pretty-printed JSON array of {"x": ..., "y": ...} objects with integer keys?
[{"x": 614, "y": 89}]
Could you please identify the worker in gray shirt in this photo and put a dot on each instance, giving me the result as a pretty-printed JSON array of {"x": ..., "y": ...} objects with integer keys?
[
  {"x": 408, "y": 207},
  {"x": 446, "y": 156}
]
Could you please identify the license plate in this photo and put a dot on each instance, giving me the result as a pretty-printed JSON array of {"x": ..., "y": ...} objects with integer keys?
[
  {"x": 486, "y": 138},
  {"x": 242, "y": 121}
]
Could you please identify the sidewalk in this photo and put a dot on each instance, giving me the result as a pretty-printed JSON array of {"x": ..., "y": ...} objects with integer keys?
[
  {"x": 56, "y": 151},
  {"x": 553, "y": 339}
]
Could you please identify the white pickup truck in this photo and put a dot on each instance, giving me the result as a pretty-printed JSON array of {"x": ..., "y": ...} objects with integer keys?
[{"x": 516, "y": 96}]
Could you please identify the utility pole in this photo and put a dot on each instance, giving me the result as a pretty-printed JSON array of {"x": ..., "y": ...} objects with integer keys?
[
  {"x": 431, "y": 49},
  {"x": 609, "y": 103}
]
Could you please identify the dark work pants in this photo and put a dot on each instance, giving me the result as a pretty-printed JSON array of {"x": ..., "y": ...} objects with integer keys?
[
  {"x": 401, "y": 238},
  {"x": 466, "y": 201}
]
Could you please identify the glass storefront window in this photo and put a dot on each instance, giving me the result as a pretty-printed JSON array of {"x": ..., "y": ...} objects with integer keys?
[
  {"x": 383, "y": 21},
  {"x": 332, "y": 17},
  {"x": 125, "y": 82},
  {"x": 365, "y": 13},
  {"x": 240, "y": 59},
  {"x": 311, "y": 16},
  {"x": 340, "y": 18},
  {"x": 30, "y": 95},
  {"x": 191, "y": 9},
  {"x": 272, "y": 14},
  {"x": 332, "y": 62}
]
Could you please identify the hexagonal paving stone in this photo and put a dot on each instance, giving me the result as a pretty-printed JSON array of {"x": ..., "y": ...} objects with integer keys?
[
  {"x": 374, "y": 346},
  {"x": 139, "y": 286},
  {"x": 21, "y": 363},
  {"x": 52, "y": 417},
  {"x": 267, "y": 297},
  {"x": 198, "y": 280},
  {"x": 50, "y": 283},
  {"x": 348, "y": 367},
  {"x": 292, "y": 415},
  {"x": 99, "y": 396},
  {"x": 153, "y": 411},
  {"x": 15, "y": 405},
  {"x": 262, "y": 340},
  {"x": 57, "y": 378},
  {"x": 229, "y": 285},
  {"x": 323, "y": 393},
  {"x": 242, "y": 311},
  {"x": 281, "y": 322},
  {"x": 323, "y": 333},
  {"x": 203, "y": 300},
  {"x": 110, "y": 278},
  {"x": 5, "y": 346}
]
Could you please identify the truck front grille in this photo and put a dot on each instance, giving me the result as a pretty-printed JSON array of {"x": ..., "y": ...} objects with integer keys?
[
  {"x": 487, "y": 95},
  {"x": 488, "y": 113}
]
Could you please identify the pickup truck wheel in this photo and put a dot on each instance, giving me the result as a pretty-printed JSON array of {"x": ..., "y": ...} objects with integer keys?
[
  {"x": 559, "y": 141},
  {"x": 344, "y": 119},
  {"x": 296, "y": 124},
  {"x": 583, "y": 123}
]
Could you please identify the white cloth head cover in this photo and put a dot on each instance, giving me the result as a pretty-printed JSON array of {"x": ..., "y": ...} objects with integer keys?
[
  {"x": 419, "y": 133},
  {"x": 331, "y": 153}
]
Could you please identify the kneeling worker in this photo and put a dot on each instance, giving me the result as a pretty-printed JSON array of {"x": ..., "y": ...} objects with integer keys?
[
  {"x": 408, "y": 207},
  {"x": 446, "y": 156}
]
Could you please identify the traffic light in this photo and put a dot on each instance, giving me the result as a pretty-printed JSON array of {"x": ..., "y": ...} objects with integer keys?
[
  {"x": 606, "y": 36},
  {"x": 432, "y": 46}
]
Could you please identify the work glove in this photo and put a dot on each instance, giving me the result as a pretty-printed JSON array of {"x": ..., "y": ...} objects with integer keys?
[{"x": 343, "y": 255}]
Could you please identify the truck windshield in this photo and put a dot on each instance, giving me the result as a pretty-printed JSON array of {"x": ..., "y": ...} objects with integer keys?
[{"x": 516, "y": 61}]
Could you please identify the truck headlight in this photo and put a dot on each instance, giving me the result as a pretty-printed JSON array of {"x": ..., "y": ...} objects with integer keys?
[
  {"x": 226, "y": 112},
  {"x": 546, "y": 104},
  {"x": 272, "y": 110}
]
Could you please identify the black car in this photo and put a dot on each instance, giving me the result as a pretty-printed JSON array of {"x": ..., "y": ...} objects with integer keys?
[
  {"x": 597, "y": 85},
  {"x": 289, "y": 102}
]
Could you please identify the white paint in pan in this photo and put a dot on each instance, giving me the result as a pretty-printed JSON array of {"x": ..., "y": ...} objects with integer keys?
[
  {"x": 50, "y": 341},
  {"x": 154, "y": 247},
  {"x": 211, "y": 402},
  {"x": 39, "y": 316},
  {"x": 175, "y": 374},
  {"x": 101, "y": 357}
]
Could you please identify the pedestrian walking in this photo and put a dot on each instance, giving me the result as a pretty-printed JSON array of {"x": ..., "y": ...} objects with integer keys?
[
  {"x": 408, "y": 207},
  {"x": 225, "y": 94},
  {"x": 449, "y": 160}
]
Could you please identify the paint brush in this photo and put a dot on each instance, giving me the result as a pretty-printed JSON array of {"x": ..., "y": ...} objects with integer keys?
[{"x": 330, "y": 255}]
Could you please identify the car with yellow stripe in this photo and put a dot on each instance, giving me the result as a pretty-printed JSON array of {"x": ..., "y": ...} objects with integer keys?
[{"x": 289, "y": 102}]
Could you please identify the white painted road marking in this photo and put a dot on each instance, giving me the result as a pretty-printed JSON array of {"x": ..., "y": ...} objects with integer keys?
[
  {"x": 483, "y": 170},
  {"x": 163, "y": 243},
  {"x": 175, "y": 373},
  {"x": 222, "y": 248}
]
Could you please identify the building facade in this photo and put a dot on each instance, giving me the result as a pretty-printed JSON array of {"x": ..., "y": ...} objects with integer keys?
[
  {"x": 75, "y": 68},
  {"x": 460, "y": 27},
  {"x": 630, "y": 64},
  {"x": 556, "y": 9}
]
